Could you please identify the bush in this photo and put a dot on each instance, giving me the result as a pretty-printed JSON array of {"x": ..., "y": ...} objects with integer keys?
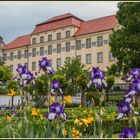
[
  {"x": 3, "y": 90},
  {"x": 94, "y": 96},
  {"x": 13, "y": 85}
]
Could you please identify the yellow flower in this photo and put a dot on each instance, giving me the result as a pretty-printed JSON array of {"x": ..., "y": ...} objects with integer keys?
[
  {"x": 8, "y": 118},
  {"x": 68, "y": 99},
  {"x": 80, "y": 106},
  {"x": 11, "y": 93},
  {"x": 41, "y": 116},
  {"x": 87, "y": 121},
  {"x": 52, "y": 100},
  {"x": 76, "y": 121},
  {"x": 34, "y": 112},
  {"x": 65, "y": 131},
  {"x": 75, "y": 133}
]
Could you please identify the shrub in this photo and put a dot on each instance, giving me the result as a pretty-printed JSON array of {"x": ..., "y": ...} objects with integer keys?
[
  {"x": 94, "y": 96},
  {"x": 13, "y": 85},
  {"x": 3, "y": 90}
]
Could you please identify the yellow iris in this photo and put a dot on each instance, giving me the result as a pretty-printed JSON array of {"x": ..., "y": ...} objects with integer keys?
[
  {"x": 11, "y": 93},
  {"x": 75, "y": 133},
  {"x": 68, "y": 99},
  {"x": 8, "y": 118},
  {"x": 34, "y": 112},
  {"x": 65, "y": 131},
  {"x": 87, "y": 121}
]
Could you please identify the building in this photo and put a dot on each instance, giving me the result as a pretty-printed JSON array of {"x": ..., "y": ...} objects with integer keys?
[
  {"x": 1, "y": 50},
  {"x": 63, "y": 37}
]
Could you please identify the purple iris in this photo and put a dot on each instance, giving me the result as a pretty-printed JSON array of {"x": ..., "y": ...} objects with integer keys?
[
  {"x": 25, "y": 76},
  {"x": 55, "y": 87},
  {"x": 124, "y": 108},
  {"x": 13, "y": 108},
  {"x": 134, "y": 73},
  {"x": 3, "y": 107},
  {"x": 136, "y": 85},
  {"x": 56, "y": 110},
  {"x": 97, "y": 73},
  {"x": 45, "y": 65},
  {"x": 128, "y": 133},
  {"x": 97, "y": 78},
  {"x": 22, "y": 70}
]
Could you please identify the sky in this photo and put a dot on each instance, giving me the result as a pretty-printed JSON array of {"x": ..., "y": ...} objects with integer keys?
[{"x": 20, "y": 18}]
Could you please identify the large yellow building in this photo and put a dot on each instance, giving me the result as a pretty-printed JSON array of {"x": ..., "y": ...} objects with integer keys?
[{"x": 63, "y": 37}]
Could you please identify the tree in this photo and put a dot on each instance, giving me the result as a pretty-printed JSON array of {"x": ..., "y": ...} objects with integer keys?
[
  {"x": 71, "y": 69},
  {"x": 110, "y": 80},
  {"x": 82, "y": 81},
  {"x": 5, "y": 73},
  {"x": 125, "y": 42}
]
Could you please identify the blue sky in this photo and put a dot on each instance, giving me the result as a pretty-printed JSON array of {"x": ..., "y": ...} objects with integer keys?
[{"x": 19, "y": 18}]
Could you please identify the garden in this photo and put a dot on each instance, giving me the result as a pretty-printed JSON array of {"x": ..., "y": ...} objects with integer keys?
[{"x": 47, "y": 110}]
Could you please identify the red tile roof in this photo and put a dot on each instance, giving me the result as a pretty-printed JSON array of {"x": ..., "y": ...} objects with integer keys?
[
  {"x": 97, "y": 25},
  {"x": 57, "y": 22},
  {"x": 84, "y": 27},
  {"x": 60, "y": 17},
  {"x": 18, "y": 42}
]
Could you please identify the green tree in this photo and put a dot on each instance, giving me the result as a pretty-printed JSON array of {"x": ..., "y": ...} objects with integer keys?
[
  {"x": 5, "y": 73},
  {"x": 71, "y": 69},
  {"x": 125, "y": 42},
  {"x": 110, "y": 80},
  {"x": 82, "y": 81}
]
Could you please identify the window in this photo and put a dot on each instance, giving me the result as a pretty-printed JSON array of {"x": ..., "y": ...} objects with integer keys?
[
  {"x": 58, "y": 35},
  {"x": 50, "y": 49},
  {"x": 34, "y": 41},
  {"x": 33, "y": 66},
  {"x": 5, "y": 56},
  {"x": 67, "y": 59},
  {"x": 42, "y": 39},
  {"x": 25, "y": 54},
  {"x": 88, "y": 43},
  {"x": 49, "y": 37},
  {"x": 58, "y": 62},
  {"x": 88, "y": 58},
  {"x": 67, "y": 46},
  {"x": 19, "y": 54},
  {"x": 100, "y": 57},
  {"x": 79, "y": 57},
  {"x": 50, "y": 61},
  {"x": 99, "y": 41},
  {"x": 111, "y": 58},
  {"x": 11, "y": 55},
  {"x": 41, "y": 51},
  {"x": 18, "y": 65},
  {"x": 58, "y": 48},
  {"x": 67, "y": 34},
  {"x": 34, "y": 52},
  {"x": 11, "y": 68},
  {"x": 26, "y": 64},
  {"x": 78, "y": 44}
]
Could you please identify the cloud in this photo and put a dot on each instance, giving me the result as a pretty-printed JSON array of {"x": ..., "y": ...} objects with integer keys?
[{"x": 18, "y": 18}]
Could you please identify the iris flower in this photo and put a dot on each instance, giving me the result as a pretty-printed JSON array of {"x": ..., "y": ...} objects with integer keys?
[
  {"x": 124, "y": 108},
  {"x": 56, "y": 110},
  {"x": 128, "y": 133},
  {"x": 3, "y": 107},
  {"x": 56, "y": 87},
  {"x": 45, "y": 65},
  {"x": 97, "y": 78}
]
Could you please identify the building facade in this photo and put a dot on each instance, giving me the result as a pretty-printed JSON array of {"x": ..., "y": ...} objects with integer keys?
[{"x": 61, "y": 38}]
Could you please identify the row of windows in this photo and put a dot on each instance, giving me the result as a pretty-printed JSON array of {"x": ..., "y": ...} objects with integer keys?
[
  {"x": 88, "y": 60},
  {"x": 58, "y": 48},
  {"x": 58, "y": 37}
]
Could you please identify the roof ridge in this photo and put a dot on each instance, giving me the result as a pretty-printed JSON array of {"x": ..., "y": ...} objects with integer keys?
[{"x": 99, "y": 18}]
